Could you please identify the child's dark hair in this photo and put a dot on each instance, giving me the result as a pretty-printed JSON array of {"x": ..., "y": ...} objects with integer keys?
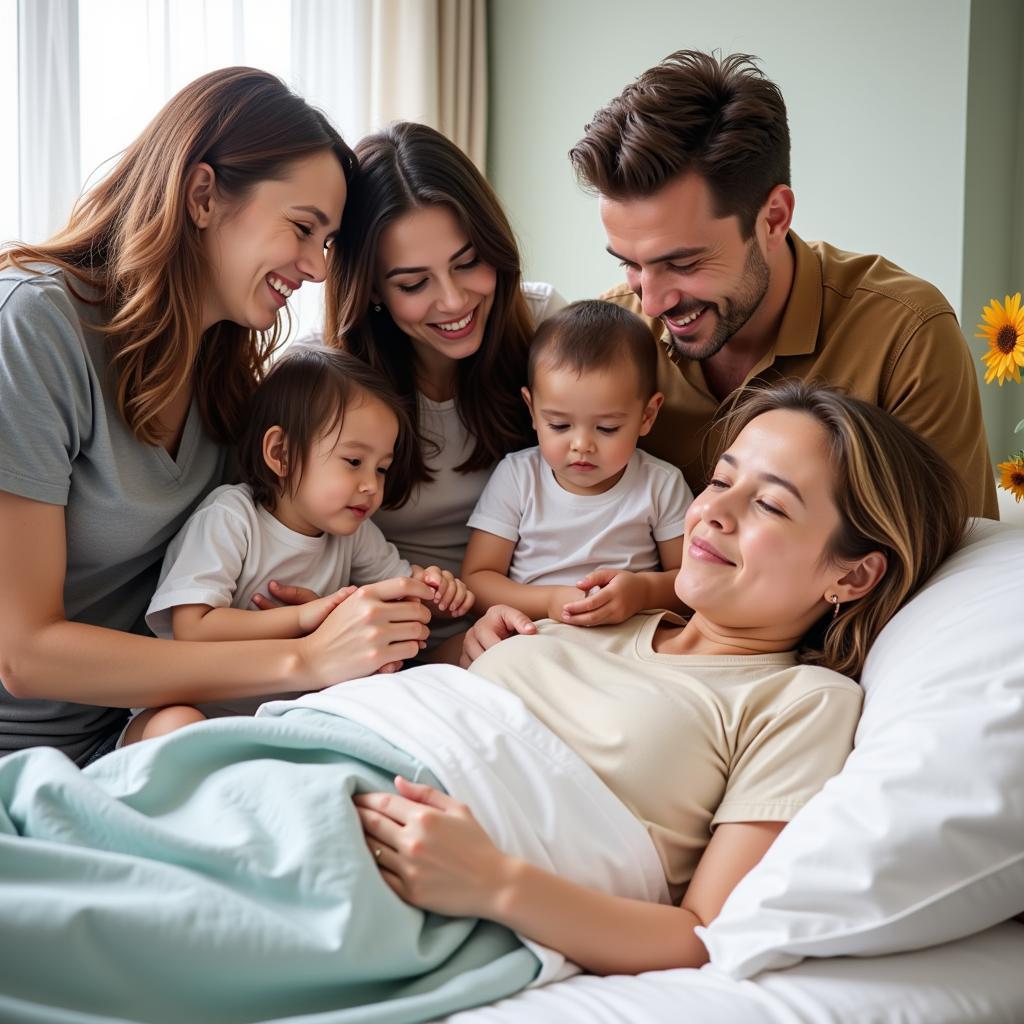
[
  {"x": 306, "y": 394},
  {"x": 595, "y": 335}
]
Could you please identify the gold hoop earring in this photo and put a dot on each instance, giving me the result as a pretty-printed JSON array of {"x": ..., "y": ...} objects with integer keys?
[{"x": 834, "y": 598}]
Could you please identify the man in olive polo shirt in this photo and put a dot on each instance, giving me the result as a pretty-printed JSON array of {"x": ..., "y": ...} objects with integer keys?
[{"x": 691, "y": 166}]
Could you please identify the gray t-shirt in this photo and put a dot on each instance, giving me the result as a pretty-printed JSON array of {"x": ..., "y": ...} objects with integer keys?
[{"x": 63, "y": 442}]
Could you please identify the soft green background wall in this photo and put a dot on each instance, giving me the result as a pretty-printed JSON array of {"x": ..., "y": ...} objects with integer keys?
[{"x": 906, "y": 118}]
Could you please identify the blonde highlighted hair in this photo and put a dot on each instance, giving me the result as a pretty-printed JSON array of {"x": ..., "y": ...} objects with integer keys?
[
  {"x": 894, "y": 493},
  {"x": 132, "y": 243}
]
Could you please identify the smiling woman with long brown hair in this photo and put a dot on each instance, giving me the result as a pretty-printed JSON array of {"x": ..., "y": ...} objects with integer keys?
[
  {"x": 426, "y": 286},
  {"x": 129, "y": 346}
]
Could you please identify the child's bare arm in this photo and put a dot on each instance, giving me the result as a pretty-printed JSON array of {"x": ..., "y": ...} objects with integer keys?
[
  {"x": 485, "y": 571},
  {"x": 201, "y": 622}
]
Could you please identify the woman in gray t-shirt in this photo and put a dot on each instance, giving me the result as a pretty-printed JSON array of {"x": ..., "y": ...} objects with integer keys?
[{"x": 129, "y": 345}]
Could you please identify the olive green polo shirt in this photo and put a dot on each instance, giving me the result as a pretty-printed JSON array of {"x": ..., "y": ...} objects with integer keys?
[{"x": 858, "y": 322}]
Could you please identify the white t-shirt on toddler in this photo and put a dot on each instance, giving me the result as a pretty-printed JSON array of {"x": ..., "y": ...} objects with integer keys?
[
  {"x": 231, "y": 548},
  {"x": 560, "y": 536}
]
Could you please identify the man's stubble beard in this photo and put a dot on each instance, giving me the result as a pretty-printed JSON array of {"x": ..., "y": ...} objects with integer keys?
[{"x": 734, "y": 313}]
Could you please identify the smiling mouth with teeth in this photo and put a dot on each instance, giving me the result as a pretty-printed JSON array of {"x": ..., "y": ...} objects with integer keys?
[
  {"x": 686, "y": 320},
  {"x": 457, "y": 325},
  {"x": 279, "y": 286}
]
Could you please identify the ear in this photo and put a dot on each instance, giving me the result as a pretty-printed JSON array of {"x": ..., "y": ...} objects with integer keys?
[
  {"x": 861, "y": 579},
  {"x": 528, "y": 399},
  {"x": 651, "y": 412},
  {"x": 201, "y": 194},
  {"x": 776, "y": 216},
  {"x": 275, "y": 451}
]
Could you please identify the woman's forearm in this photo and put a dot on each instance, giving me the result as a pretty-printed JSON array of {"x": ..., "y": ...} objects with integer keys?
[
  {"x": 89, "y": 664},
  {"x": 603, "y": 934}
]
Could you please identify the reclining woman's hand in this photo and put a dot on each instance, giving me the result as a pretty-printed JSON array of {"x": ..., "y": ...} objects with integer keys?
[
  {"x": 498, "y": 623},
  {"x": 431, "y": 850}
]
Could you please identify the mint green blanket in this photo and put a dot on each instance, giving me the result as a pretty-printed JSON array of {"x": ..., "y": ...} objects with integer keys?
[{"x": 220, "y": 875}]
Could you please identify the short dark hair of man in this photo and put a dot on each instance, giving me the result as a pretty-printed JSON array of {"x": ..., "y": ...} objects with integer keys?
[
  {"x": 594, "y": 335},
  {"x": 718, "y": 117},
  {"x": 306, "y": 394}
]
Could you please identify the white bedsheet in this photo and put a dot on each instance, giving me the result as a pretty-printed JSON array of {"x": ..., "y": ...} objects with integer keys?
[
  {"x": 532, "y": 794},
  {"x": 977, "y": 980}
]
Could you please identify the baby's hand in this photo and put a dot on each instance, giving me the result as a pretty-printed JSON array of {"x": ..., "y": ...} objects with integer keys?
[
  {"x": 451, "y": 596},
  {"x": 313, "y": 613},
  {"x": 618, "y": 594}
]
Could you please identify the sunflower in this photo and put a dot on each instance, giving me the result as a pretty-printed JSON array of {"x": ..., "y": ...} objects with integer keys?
[
  {"x": 1004, "y": 330},
  {"x": 1011, "y": 476}
]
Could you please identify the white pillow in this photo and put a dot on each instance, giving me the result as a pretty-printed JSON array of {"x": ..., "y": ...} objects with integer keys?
[{"x": 920, "y": 838}]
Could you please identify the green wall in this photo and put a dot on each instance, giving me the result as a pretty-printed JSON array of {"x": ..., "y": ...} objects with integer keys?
[
  {"x": 907, "y": 119},
  {"x": 994, "y": 193}
]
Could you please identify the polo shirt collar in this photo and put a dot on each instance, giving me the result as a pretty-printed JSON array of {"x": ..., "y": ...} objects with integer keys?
[{"x": 798, "y": 332}]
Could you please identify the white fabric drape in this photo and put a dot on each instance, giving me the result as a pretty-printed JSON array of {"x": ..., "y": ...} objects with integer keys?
[
  {"x": 368, "y": 62},
  {"x": 363, "y": 62},
  {"x": 48, "y": 136}
]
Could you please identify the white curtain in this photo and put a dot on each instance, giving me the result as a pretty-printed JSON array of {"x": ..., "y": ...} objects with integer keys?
[
  {"x": 93, "y": 72},
  {"x": 368, "y": 62},
  {"x": 48, "y": 129}
]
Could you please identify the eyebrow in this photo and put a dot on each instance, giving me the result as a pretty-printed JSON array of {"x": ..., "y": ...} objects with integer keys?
[
  {"x": 772, "y": 478},
  {"x": 676, "y": 254},
  {"x": 362, "y": 446},
  {"x": 422, "y": 270},
  {"x": 317, "y": 212},
  {"x": 599, "y": 416}
]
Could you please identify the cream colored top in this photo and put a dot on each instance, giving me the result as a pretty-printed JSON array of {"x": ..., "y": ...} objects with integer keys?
[{"x": 685, "y": 741}]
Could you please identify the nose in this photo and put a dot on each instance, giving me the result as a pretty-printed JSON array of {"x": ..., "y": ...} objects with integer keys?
[
  {"x": 716, "y": 509},
  {"x": 655, "y": 298},
  {"x": 313, "y": 263},
  {"x": 582, "y": 440},
  {"x": 453, "y": 295},
  {"x": 370, "y": 482}
]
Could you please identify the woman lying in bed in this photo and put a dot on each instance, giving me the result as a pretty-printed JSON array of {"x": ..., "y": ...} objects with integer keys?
[
  {"x": 601, "y": 777},
  {"x": 823, "y": 516}
]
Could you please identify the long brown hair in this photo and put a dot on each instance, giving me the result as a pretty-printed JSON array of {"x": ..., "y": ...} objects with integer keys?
[
  {"x": 404, "y": 168},
  {"x": 718, "y": 117},
  {"x": 131, "y": 241},
  {"x": 895, "y": 494}
]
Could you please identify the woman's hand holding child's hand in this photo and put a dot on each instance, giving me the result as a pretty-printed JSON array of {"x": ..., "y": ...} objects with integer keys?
[
  {"x": 374, "y": 630},
  {"x": 452, "y": 598},
  {"x": 431, "y": 850},
  {"x": 622, "y": 594}
]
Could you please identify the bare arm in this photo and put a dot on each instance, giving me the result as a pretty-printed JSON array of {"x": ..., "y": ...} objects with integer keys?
[
  {"x": 485, "y": 571},
  {"x": 198, "y": 622},
  {"x": 436, "y": 856},
  {"x": 42, "y": 655}
]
